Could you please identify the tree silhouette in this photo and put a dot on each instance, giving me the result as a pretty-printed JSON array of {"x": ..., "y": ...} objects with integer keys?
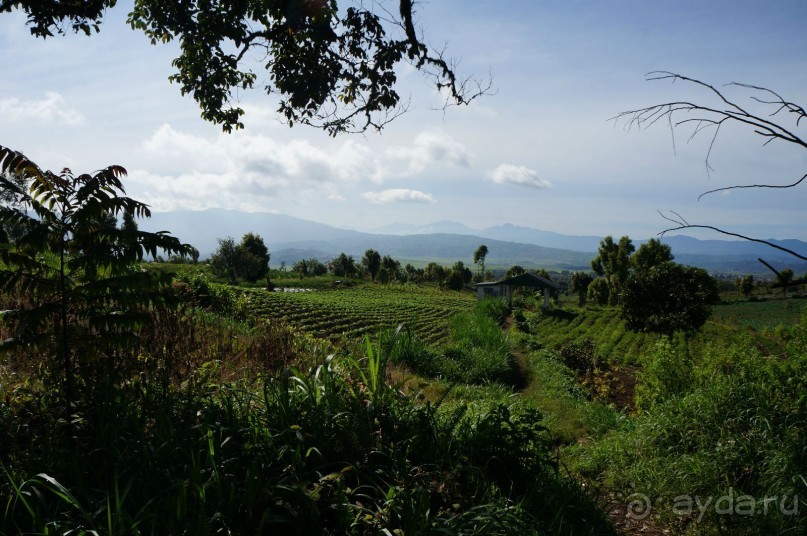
[
  {"x": 69, "y": 270},
  {"x": 479, "y": 258},
  {"x": 333, "y": 68},
  {"x": 775, "y": 120}
]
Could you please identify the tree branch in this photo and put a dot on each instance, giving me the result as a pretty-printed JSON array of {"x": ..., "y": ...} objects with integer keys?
[
  {"x": 741, "y": 186},
  {"x": 683, "y": 224}
]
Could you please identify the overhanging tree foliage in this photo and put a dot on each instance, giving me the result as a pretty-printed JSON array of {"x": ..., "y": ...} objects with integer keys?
[
  {"x": 769, "y": 115},
  {"x": 67, "y": 271},
  {"x": 333, "y": 68}
]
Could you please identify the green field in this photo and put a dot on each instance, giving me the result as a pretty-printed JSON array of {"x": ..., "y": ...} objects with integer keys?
[
  {"x": 617, "y": 345},
  {"x": 352, "y": 312},
  {"x": 760, "y": 314}
]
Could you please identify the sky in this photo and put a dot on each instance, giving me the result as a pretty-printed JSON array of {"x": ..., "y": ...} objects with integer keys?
[{"x": 539, "y": 151}]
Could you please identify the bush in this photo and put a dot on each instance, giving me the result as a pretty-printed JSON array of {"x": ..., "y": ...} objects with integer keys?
[
  {"x": 403, "y": 347},
  {"x": 668, "y": 373},
  {"x": 579, "y": 356},
  {"x": 479, "y": 349},
  {"x": 598, "y": 291},
  {"x": 198, "y": 291},
  {"x": 668, "y": 298},
  {"x": 331, "y": 450},
  {"x": 494, "y": 308}
]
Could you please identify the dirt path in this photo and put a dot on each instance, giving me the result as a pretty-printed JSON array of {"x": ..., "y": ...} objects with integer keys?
[{"x": 621, "y": 393}]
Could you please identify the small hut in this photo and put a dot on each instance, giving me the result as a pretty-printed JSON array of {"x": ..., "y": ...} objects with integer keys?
[{"x": 504, "y": 288}]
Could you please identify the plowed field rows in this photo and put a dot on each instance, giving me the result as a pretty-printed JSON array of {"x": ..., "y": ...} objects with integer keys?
[{"x": 356, "y": 311}]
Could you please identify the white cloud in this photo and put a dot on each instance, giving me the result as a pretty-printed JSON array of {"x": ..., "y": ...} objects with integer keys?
[
  {"x": 245, "y": 170},
  {"x": 427, "y": 148},
  {"x": 182, "y": 170},
  {"x": 519, "y": 175},
  {"x": 398, "y": 195},
  {"x": 50, "y": 109}
]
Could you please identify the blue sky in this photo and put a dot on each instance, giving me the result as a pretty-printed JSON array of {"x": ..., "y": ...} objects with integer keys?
[{"x": 540, "y": 152}]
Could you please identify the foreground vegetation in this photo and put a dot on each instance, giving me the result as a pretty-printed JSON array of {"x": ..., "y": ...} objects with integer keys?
[{"x": 329, "y": 447}]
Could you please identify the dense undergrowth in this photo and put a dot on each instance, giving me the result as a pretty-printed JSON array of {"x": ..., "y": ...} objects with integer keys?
[
  {"x": 477, "y": 350},
  {"x": 719, "y": 441},
  {"x": 220, "y": 426}
]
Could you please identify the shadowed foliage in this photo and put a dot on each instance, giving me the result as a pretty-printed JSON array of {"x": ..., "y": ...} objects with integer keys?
[{"x": 68, "y": 273}]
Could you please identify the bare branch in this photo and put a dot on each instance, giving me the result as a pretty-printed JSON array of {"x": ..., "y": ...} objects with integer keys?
[
  {"x": 738, "y": 187},
  {"x": 680, "y": 224},
  {"x": 703, "y": 117},
  {"x": 771, "y": 268}
]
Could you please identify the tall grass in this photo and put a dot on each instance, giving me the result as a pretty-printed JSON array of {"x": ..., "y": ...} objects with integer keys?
[
  {"x": 732, "y": 423},
  {"x": 477, "y": 351},
  {"x": 330, "y": 449}
]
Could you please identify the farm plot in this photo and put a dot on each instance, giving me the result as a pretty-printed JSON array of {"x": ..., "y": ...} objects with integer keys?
[
  {"x": 617, "y": 345},
  {"x": 356, "y": 311},
  {"x": 760, "y": 314}
]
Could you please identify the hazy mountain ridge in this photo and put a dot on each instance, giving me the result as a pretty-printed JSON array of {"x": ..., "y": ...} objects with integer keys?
[{"x": 290, "y": 239}]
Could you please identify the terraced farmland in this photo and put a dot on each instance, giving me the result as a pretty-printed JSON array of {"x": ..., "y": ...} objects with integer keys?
[
  {"x": 356, "y": 311},
  {"x": 615, "y": 344}
]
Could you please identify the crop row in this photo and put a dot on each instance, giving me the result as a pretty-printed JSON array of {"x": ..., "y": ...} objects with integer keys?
[
  {"x": 354, "y": 312},
  {"x": 616, "y": 344}
]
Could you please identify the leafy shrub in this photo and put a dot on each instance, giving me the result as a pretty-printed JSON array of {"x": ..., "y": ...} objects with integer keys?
[
  {"x": 221, "y": 299},
  {"x": 739, "y": 427},
  {"x": 494, "y": 308},
  {"x": 598, "y": 291},
  {"x": 403, "y": 346},
  {"x": 668, "y": 298},
  {"x": 668, "y": 373},
  {"x": 579, "y": 356}
]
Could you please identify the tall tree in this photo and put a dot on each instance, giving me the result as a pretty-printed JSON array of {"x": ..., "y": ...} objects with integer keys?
[
  {"x": 225, "y": 260},
  {"x": 650, "y": 254},
  {"x": 598, "y": 291},
  {"x": 513, "y": 271},
  {"x": 578, "y": 283},
  {"x": 479, "y": 258},
  {"x": 390, "y": 269},
  {"x": 465, "y": 274},
  {"x": 254, "y": 257},
  {"x": 434, "y": 272},
  {"x": 745, "y": 285},
  {"x": 372, "y": 262},
  {"x": 613, "y": 263},
  {"x": 784, "y": 278},
  {"x": 333, "y": 68},
  {"x": 343, "y": 266}
]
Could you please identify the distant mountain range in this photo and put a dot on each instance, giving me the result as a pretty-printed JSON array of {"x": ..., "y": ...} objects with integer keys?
[{"x": 290, "y": 239}]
